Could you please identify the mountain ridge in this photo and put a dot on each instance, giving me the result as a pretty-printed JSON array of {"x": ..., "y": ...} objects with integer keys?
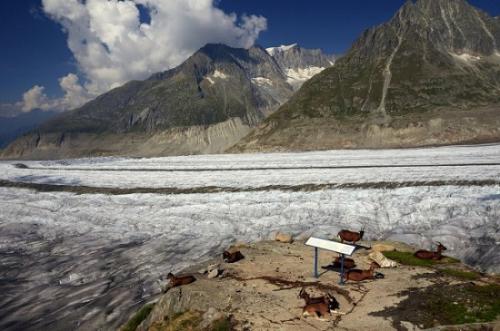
[
  {"x": 430, "y": 55},
  {"x": 217, "y": 87}
]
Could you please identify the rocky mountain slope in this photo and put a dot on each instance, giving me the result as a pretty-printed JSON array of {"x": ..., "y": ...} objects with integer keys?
[
  {"x": 203, "y": 106},
  {"x": 431, "y": 75}
]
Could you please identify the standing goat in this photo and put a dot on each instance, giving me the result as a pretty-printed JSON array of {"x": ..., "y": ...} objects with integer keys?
[
  {"x": 428, "y": 255},
  {"x": 346, "y": 235},
  {"x": 358, "y": 275}
]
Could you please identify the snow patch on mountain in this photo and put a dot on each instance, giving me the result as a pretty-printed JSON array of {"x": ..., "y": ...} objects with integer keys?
[
  {"x": 466, "y": 57},
  {"x": 283, "y": 48},
  {"x": 297, "y": 77},
  {"x": 216, "y": 75},
  {"x": 219, "y": 74},
  {"x": 261, "y": 81}
]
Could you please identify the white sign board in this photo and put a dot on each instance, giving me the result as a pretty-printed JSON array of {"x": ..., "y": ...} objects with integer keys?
[{"x": 331, "y": 246}]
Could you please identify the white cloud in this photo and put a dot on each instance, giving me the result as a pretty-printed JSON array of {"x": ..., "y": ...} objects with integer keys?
[
  {"x": 74, "y": 96},
  {"x": 112, "y": 46},
  {"x": 35, "y": 98}
]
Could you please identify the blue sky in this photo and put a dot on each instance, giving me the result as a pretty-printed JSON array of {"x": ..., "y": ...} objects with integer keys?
[{"x": 34, "y": 48}]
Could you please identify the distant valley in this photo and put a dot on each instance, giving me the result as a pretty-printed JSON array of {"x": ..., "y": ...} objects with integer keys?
[{"x": 13, "y": 127}]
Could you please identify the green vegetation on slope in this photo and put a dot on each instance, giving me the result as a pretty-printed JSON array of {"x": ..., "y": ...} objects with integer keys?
[
  {"x": 190, "y": 321},
  {"x": 407, "y": 258},
  {"x": 461, "y": 274},
  {"x": 443, "y": 304},
  {"x": 137, "y": 319}
]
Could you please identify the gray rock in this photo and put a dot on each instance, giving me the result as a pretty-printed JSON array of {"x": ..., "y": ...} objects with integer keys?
[
  {"x": 284, "y": 238},
  {"x": 213, "y": 273},
  {"x": 210, "y": 316}
]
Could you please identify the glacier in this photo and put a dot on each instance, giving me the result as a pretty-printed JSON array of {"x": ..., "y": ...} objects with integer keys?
[{"x": 89, "y": 260}]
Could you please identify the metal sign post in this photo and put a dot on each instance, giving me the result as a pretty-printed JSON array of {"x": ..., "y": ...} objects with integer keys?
[
  {"x": 316, "y": 275},
  {"x": 342, "y": 269},
  {"x": 342, "y": 249}
]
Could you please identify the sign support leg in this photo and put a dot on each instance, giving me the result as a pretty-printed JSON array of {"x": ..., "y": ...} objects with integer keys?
[
  {"x": 342, "y": 270},
  {"x": 316, "y": 262}
]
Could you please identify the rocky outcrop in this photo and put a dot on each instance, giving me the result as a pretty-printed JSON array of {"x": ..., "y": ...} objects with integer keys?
[
  {"x": 430, "y": 64},
  {"x": 296, "y": 57},
  {"x": 283, "y": 238},
  {"x": 261, "y": 292}
]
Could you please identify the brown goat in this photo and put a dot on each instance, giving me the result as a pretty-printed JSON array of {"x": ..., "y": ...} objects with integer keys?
[
  {"x": 351, "y": 236},
  {"x": 308, "y": 300},
  {"x": 318, "y": 307},
  {"x": 348, "y": 263},
  {"x": 180, "y": 280},
  {"x": 233, "y": 257},
  {"x": 358, "y": 275},
  {"x": 428, "y": 255}
]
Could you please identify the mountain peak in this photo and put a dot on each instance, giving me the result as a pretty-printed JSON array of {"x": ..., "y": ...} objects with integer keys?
[
  {"x": 432, "y": 57},
  {"x": 450, "y": 26}
]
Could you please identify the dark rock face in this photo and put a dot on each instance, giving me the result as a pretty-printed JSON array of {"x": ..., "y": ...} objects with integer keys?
[
  {"x": 296, "y": 57},
  {"x": 431, "y": 54},
  {"x": 299, "y": 64}
]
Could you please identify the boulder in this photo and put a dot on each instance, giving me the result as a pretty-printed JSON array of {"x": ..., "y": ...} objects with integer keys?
[
  {"x": 382, "y": 261},
  {"x": 383, "y": 248},
  {"x": 213, "y": 273},
  {"x": 284, "y": 238}
]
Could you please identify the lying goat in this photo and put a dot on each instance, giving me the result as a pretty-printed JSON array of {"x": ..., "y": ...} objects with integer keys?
[
  {"x": 308, "y": 300},
  {"x": 348, "y": 263},
  {"x": 358, "y": 275},
  {"x": 346, "y": 235},
  {"x": 318, "y": 307},
  {"x": 179, "y": 280},
  {"x": 229, "y": 257},
  {"x": 428, "y": 255}
]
